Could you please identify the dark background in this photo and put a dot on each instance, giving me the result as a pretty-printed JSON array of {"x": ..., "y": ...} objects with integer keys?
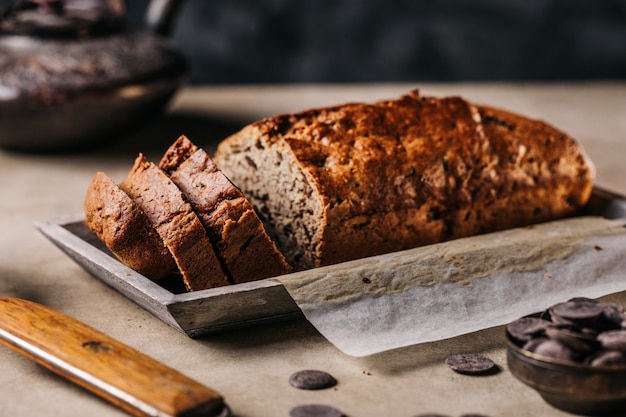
[
  {"x": 278, "y": 41},
  {"x": 288, "y": 41}
]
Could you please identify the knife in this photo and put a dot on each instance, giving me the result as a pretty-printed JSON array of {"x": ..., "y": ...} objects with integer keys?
[{"x": 118, "y": 373}]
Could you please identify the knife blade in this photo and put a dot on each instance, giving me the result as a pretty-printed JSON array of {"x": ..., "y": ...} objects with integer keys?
[{"x": 127, "y": 378}]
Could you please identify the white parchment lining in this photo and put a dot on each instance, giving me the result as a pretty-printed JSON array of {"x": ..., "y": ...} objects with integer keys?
[{"x": 445, "y": 290}]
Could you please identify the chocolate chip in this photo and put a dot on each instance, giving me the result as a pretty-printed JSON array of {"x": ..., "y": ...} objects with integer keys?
[
  {"x": 532, "y": 344},
  {"x": 496, "y": 121},
  {"x": 575, "y": 340},
  {"x": 576, "y": 310},
  {"x": 612, "y": 316},
  {"x": 470, "y": 363},
  {"x": 312, "y": 379},
  {"x": 580, "y": 330},
  {"x": 251, "y": 162},
  {"x": 613, "y": 340},
  {"x": 556, "y": 350},
  {"x": 526, "y": 328},
  {"x": 315, "y": 410},
  {"x": 582, "y": 300},
  {"x": 608, "y": 358}
]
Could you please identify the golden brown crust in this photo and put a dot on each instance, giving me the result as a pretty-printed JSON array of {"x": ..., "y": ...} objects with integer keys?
[
  {"x": 373, "y": 155},
  {"x": 402, "y": 173},
  {"x": 121, "y": 225}
]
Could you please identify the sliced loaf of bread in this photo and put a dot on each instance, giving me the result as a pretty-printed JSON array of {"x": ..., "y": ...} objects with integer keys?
[
  {"x": 125, "y": 229},
  {"x": 244, "y": 248},
  {"x": 355, "y": 180},
  {"x": 176, "y": 222}
]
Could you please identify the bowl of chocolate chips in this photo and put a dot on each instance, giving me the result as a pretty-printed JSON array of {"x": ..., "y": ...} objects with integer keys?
[{"x": 574, "y": 355}]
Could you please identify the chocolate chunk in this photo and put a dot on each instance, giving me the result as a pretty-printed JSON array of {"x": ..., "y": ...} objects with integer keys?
[
  {"x": 575, "y": 340},
  {"x": 532, "y": 344},
  {"x": 470, "y": 363},
  {"x": 613, "y": 340},
  {"x": 315, "y": 410},
  {"x": 556, "y": 350},
  {"x": 608, "y": 358},
  {"x": 312, "y": 379},
  {"x": 581, "y": 330},
  {"x": 612, "y": 316},
  {"x": 576, "y": 310},
  {"x": 524, "y": 329},
  {"x": 582, "y": 300}
]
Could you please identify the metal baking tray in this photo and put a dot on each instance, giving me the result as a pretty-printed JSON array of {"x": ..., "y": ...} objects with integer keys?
[{"x": 201, "y": 312}]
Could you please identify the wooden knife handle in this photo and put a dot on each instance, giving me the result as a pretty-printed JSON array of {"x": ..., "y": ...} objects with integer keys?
[{"x": 120, "y": 374}]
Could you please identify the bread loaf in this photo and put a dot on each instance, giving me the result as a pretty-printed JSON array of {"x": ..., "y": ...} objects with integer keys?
[
  {"x": 124, "y": 228},
  {"x": 176, "y": 222},
  {"x": 350, "y": 181},
  {"x": 242, "y": 245}
]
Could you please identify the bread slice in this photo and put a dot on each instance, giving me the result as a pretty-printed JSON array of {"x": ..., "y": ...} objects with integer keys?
[
  {"x": 350, "y": 181},
  {"x": 177, "y": 224},
  {"x": 244, "y": 248},
  {"x": 121, "y": 225}
]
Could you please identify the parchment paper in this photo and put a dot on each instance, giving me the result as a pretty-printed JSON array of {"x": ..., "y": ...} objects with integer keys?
[{"x": 445, "y": 290}]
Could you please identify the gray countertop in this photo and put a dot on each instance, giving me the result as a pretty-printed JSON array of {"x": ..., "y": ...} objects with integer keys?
[{"x": 251, "y": 367}]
